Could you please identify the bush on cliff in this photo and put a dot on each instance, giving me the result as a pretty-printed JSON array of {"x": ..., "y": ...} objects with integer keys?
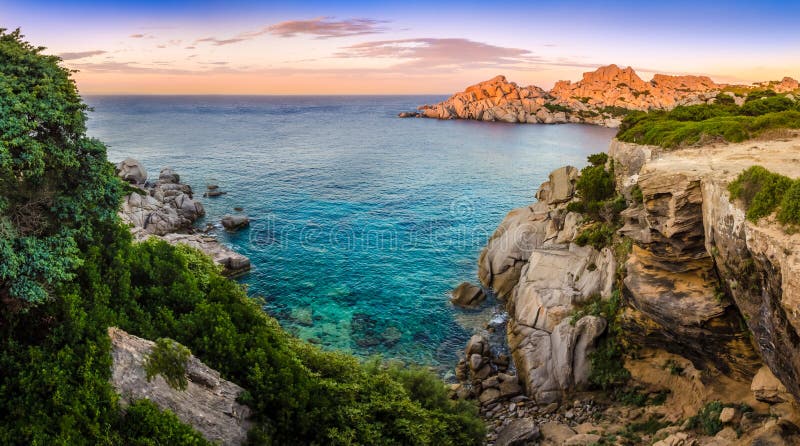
[
  {"x": 689, "y": 125},
  {"x": 58, "y": 204},
  {"x": 761, "y": 192}
]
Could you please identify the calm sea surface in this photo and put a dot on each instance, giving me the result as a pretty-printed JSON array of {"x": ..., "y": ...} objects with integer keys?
[{"x": 361, "y": 222}]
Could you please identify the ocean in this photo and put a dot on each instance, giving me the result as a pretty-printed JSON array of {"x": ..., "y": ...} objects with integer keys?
[{"x": 361, "y": 222}]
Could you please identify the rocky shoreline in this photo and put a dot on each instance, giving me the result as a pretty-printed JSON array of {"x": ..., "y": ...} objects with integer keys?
[
  {"x": 705, "y": 341},
  {"x": 602, "y": 97},
  {"x": 166, "y": 209}
]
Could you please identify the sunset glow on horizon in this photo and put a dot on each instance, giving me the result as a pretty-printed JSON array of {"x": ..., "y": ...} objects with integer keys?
[{"x": 352, "y": 47}]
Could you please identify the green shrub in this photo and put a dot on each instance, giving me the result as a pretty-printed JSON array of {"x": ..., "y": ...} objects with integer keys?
[
  {"x": 789, "y": 213},
  {"x": 143, "y": 424},
  {"x": 689, "y": 125},
  {"x": 168, "y": 359},
  {"x": 555, "y": 108},
  {"x": 636, "y": 194},
  {"x": 597, "y": 235},
  {"x": 608, "y": 365},
  {"x": 707, "y": 419},
  {"x": 598, "y": 159},
  {"x": 760, "y": 190}
]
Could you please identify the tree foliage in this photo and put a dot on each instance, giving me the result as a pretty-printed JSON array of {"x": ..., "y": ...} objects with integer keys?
[
  {"x": 168, "y": 359},
  {"x": 54, "y": 181}
]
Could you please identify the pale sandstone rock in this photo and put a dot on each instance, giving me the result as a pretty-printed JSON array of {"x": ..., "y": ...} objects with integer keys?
[
  {"x": 766, "y": 387},
  {"x": 208, "y": 404},
  {"x": 555, "y": 433},
  {"x": 727, "y": 415},
  {"x": 582, "y": 440}
]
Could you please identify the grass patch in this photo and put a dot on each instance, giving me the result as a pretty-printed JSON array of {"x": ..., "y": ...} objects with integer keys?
[{"x": 554, "y": 108}]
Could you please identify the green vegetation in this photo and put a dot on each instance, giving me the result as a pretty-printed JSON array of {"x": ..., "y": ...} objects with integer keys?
[
  {"x": 608, "y": 369},
  {"x": 597, "y": 235},
  {"x": 168, "y": 359},
  {"x": 59, "y": 199},
  {"x": 723, "y": 120},
  {"x": 554, "y": 108},
  {"x": 763, "y": 192},
  {"x": 597, "y": 192},
  {"x": 707, "y": 419}
]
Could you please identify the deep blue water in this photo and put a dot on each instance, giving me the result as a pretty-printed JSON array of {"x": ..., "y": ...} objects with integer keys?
[{"x": 361, "y": 222}]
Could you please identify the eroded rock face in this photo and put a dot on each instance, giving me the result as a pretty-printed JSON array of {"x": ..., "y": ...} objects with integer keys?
[
  {"x": 754, "y": 264},
  {"x": 531, "y": 262},
  {"x": 542, "y": 224},
  {"x": 208, "y": 404},
  {"x": 671, "y": 282},
  {"x": 550, "y": 349}
]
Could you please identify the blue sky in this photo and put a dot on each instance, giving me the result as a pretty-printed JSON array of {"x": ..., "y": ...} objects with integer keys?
[{"x": 400, "y": 47}]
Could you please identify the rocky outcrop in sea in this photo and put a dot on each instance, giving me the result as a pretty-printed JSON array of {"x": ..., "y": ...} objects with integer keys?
[
  {"x": 166, "y": 209},
  {"x": 602, "y": 97}
]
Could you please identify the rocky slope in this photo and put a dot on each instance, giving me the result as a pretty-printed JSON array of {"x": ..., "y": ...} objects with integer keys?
[
  {"x": 208, "y": 403},
  {"x": 166, "y": 209},
  {"x": 601, "y": 97},
  {"x": 710, "y": 294}
]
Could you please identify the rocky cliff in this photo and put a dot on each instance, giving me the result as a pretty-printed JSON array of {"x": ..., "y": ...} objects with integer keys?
[
  {"x": 756, "y": 265},
  {"x": 705, "y": 291},
  {"x": 208, "y": 403},
  {"x": 601, "y": 97}
]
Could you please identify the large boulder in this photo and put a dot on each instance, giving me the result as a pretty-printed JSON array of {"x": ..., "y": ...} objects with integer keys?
[
  {"x": 132, "y": 171},
  {"x": 168, "y": 175},
  {"x": 235, "y": 222},
  {"x": 467, "y": 295},
  {"x": 519, "y": 432},
  {"x": 208, "y": 404},
  {"x": 767, "y": 388},
  {"x": 561, "y": 186}
]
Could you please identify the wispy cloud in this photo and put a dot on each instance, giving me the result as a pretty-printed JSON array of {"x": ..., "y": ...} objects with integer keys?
[
  {"x": 435, "y": 53},
  {"x": 80, "y": 54},
  {"x": 326, "y": 27},
  {"x": 319, "y": 27}
]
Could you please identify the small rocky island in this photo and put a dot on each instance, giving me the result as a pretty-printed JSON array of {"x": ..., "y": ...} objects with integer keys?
[{"x": 602, "y": 97}]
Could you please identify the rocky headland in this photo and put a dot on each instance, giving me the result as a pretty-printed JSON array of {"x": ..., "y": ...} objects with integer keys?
[
  {"x": 166, "y": 209},
  {"x": 703, "y": 301},
  {"x": 602, "y": 97}
]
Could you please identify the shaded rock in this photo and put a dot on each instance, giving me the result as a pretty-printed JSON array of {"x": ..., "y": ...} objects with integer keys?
[
  {"x": 518, "y": 432},
  {"x": 168, "y": 175},
  {"x": 467, "y": 295},
  {"x": 208, "y": 404},
  {"x": 767, "y": 388},
  {"x": 781, "y": 433},
  {"x": 554, "y": 433},
  {"x": 132, "y": 171},
  {"x": 489, "y": 396},
  {"x": 235, "y": 222}
]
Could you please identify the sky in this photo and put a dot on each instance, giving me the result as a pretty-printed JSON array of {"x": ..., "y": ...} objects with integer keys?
[{"x": 408, "y": 47}]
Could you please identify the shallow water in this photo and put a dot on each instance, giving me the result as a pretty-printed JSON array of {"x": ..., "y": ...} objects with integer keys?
[{"x": 361, "y": 222}]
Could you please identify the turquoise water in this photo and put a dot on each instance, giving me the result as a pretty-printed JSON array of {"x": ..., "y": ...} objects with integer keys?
[{"x": 361, "y": 222}]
